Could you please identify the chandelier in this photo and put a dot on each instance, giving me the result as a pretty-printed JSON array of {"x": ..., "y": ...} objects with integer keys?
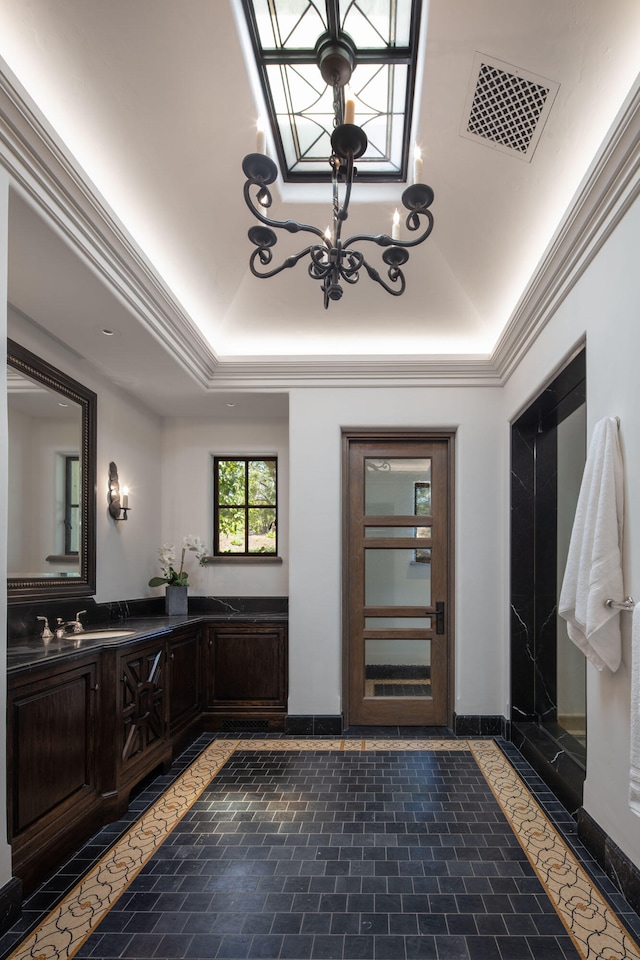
[{"x": 333, "y": 260}]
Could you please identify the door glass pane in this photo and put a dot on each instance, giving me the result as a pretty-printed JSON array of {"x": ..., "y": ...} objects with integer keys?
[
  {"x": 397, "y": 486},
  {"x": 397, "y": 668},
  {"x": 396, "y": 578},
  {"x": 380, "y": 533},
  {"x": 397, "y": 623}
]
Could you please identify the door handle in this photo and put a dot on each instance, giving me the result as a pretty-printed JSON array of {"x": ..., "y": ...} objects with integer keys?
[{"x": 440, "y": 616}]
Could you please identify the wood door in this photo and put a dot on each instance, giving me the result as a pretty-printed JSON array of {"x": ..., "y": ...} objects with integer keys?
[{"x": 396, "y": 579}]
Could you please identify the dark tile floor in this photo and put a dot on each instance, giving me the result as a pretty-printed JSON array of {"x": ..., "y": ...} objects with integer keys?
[{"x": 376, "y": 855}]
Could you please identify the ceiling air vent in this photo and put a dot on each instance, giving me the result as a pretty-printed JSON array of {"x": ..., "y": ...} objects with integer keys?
[{"x": 506, "y": 107}]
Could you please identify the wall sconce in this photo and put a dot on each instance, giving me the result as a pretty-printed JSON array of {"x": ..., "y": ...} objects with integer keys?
[{"x": 117, "y": 505}]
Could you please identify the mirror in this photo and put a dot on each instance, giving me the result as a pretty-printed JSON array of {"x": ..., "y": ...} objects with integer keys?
[{"x": 52, "y": 481}]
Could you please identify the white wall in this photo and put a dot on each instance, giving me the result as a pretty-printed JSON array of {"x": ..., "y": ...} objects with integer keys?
[
  {"x": 481, "y": 470},
  {"x": 605, "y": 304},
  {"x": 188, "y": 448}
]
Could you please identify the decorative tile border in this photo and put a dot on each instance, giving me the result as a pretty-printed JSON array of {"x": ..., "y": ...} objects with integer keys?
[
  {"x": 67, "y": 927},
  {"x": 592, "y": 925}
]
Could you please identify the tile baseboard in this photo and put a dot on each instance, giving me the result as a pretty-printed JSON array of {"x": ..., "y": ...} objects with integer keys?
[
  {"x": 480, "y": 725},
  {"x": 10, "y": 903},
  {"x": 319, "y": 725},
  {"x": 615, "y": 863}
]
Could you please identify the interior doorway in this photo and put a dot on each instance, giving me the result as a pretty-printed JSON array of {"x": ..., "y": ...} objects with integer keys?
[
  {"x": 548, "y": 673},
  {"x": 397, "y": 580}
]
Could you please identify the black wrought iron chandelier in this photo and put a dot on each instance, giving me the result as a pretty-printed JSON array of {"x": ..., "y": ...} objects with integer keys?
[{"x": 332, "y": 260}]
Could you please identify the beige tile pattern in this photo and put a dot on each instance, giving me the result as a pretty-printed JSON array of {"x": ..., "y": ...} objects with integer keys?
[{"x": 592, "y": 925}]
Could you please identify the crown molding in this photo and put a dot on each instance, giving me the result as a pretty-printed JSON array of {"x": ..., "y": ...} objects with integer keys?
[
  {"x": 45, "y": 172},
  {"x": 608, "y": 190},
  {"x": 363, "y": 371}
]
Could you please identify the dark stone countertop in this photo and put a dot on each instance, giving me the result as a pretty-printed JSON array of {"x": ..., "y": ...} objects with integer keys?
[{"x": 33, "y": 651}]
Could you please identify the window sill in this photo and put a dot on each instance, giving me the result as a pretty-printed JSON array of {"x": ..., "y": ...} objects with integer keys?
[{"x": 242, "y": 558}]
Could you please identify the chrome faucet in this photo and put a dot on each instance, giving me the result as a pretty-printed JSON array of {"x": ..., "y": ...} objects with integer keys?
[
  {"x": 72, "y": 626},
  {"x": 76, "y": 625},
  {"x": 46, "y": 632}
]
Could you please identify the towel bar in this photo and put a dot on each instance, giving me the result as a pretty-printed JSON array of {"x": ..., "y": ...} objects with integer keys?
[{"x": 627, "y": 604}]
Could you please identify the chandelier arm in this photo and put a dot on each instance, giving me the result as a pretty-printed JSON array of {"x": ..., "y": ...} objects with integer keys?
[
  {"x": 394, "y": 273},
  {"x": 343, "y": 212},
  {"x": 291, "y": 226},
  {"x": 265, "y": 258},
  {"x": 384, "y": 240}
]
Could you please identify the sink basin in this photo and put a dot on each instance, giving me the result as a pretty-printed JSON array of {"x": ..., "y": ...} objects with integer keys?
[{"x": 102, "y": 634}]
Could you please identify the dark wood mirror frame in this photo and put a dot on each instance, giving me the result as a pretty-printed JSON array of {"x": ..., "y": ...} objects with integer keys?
[{"x": 45, "y": 588}]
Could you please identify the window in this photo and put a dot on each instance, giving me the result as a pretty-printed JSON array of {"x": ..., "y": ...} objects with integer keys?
[
  {"x": 385, "y": 34},
  {"x": 71, "y": 504},
  {"x": 245, "y": 506}
]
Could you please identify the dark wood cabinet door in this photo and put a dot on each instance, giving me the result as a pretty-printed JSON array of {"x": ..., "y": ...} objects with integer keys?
[
  {"x": 185, "y": 697},
  {"x": 141, "y": 702},
  {"x": 51, "y": 758},
  {"x": 247, "y": 669}
]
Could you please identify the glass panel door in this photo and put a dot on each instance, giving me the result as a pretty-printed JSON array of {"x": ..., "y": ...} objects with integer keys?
[{"x": 397, "y": 549}]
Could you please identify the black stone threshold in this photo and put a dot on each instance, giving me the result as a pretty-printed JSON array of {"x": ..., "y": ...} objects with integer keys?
[{"x": 555, "y": 757}]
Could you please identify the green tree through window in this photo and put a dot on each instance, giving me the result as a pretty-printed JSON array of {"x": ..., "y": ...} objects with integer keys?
[{"x": 245, "y": 507}]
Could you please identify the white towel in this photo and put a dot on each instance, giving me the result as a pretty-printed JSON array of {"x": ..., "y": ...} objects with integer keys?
[
  {"x": 634, "y": 784},
  {"x": 594, "y": 563}
]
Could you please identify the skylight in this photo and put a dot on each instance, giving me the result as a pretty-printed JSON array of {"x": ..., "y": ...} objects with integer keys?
[{"x": 284, "y": 34}]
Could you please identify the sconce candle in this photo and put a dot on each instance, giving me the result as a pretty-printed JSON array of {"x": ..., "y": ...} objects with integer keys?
[
  {"x": 395, "y": 226},
  {"x": 349, "y": 109},
  {"x": 125, "y": 498},
  {"x": 417, "y": 165}
]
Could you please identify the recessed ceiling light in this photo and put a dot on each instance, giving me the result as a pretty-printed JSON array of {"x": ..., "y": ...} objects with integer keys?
[
  {"x": 61, "y": 404},
  {"x": 109, "y": 333},
  {"x": 231, "y": 404}
]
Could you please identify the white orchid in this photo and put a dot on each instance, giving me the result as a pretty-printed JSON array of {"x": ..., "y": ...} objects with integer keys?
[{"x": 167, "y": 556}]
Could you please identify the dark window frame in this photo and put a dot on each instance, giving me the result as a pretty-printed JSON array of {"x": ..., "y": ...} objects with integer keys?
[
  {"x": 245, "y": 507},
  {"x": 69, "y": 504}
]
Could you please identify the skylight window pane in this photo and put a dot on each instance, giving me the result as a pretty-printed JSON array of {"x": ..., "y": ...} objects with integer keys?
[
  {"x": 313, "y": 140},
  {"x": 307, "y": 90},
  {"x": 296, "y": 23},
  {"x": 276, "y": 76},
  {"x": 372, "y": 85},
  {"x": 377, "y": 23}
]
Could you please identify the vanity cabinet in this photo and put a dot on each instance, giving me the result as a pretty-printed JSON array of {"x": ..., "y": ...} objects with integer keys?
[
  {"x": 84, "y": 729},
  {"x": 52, "y": 770},
  {"x": 246, "y": 675},
  {"x": 184, "y": 659}
]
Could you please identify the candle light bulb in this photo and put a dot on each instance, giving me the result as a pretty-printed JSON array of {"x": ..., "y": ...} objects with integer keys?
[
  {"x": 260, "y": 135},
  {"x": 125, "y": 496},
  {"x": 395, "y": 226},
  {"x": 349, "y": 107},
  {"x": 328, "y": 235},
  {"x": 417, "y": 165}
]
